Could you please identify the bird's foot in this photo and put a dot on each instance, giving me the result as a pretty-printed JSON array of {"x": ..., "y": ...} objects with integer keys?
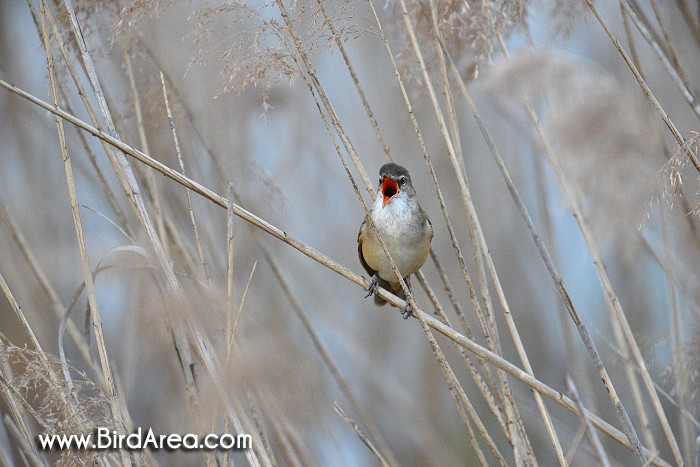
[
  {"x": 372, "y": 289},
  {"x": 407, "y": 311}
]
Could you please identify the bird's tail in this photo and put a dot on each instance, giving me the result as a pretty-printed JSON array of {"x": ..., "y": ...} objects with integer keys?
[{"x": 395, "y": 288}]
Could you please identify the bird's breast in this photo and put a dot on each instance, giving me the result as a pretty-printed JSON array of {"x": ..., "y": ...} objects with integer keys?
[{"x": 406, "y": 235}]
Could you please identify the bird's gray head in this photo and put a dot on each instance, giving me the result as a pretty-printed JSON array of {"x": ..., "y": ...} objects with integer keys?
[{"x": 395, "y": 182}]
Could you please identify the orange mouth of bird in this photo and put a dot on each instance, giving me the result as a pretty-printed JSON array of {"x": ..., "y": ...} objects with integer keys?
[{"x": 389, "y": 189}]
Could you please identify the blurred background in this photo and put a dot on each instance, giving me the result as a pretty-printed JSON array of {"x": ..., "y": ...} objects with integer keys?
[{"x": 238, "y": 91}]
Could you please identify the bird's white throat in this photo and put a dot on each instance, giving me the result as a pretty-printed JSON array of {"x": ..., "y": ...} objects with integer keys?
[{"x": 393, "y": 217}]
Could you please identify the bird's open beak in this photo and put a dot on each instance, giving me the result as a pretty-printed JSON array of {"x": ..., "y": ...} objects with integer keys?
[{"x": 389, "y": 189}]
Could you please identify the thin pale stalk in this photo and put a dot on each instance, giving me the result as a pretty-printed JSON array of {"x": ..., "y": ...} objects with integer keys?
[
  {"x": 635, "y": 391},
  {"x": 447, "y": 91},
  {"x": 124, "y": 172},
  {"x": 292, "y": 434},
  {"x": 121, "y": 222},
  {"x": 630, "y": 39},
  {"x": 590, "y": 432},
  {"x": 667, "y": 41},
  {"x": 57, "y": 307},
  {"x": 485, "y": 369},
  {"x": 458, "y": 392},
  {"x": 475, "y": 445},
  {"x": 576, "y": 442},
  {"x": 229, "y": 270},
  {"x": 360, "y": 434},
  {"x": 486, "y": 391},
  {"x": 258, "y": 426},
  {"x": 492, "y": 270},
  {"x": 447, "y": 285},
  {"x": 64, "y": 322},
  {"x": 674, "y": 270},
  {"x": 218, "y": 168},
  {"x": 549, "y": 257},
  {"x": 325, "y": 354},
  {"x": 689, "y": 18},
  {"x": 583, "y": 332},
  {"x": 682, "y": 389},
  {"x": 25, "y": 446},
  {"x": 520, "y": 348},
  {"x": 279, "y": 425},
  {"x": 647, "y": 91},
  {"x": 356, "y": 81},
  {"x": 14, "y": 400},
  {"x": 82, "y": 93},
  {"x": 256, "y": 455},
  {"x": 612, "y": 300},
  {"x": 324, "y": 99},
  {"x": 240, "y": 307},
  {"x": 178, "y": 151},
  {"x": 109, "y": 388},
  {"x": 212, "y": 429},
  {"x": 454, "y": 129},
  {"x": 20, "y": 316},
  {"x": 439, "y": 312},
  {"x": 667, "y": 57},
  {"x": 178, "y": 248},
  {"x": 668, "y": 397},
  {"x": 574, "y": 358},
  {"x": 53, "y": 296},
  {"x": 148, "y": 178}
]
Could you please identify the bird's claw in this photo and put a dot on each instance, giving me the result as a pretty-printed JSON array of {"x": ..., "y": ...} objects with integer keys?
[
  {"x": 372, "y": 289},
  {"x": 407, "y": 311}
]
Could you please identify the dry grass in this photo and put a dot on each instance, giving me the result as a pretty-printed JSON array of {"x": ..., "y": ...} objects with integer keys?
[{"x": 144, "y": 297}]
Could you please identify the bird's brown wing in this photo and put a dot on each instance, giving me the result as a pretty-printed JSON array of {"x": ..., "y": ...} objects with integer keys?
[
  {"x": 427, "y": 222},
  {"x": 360, "y": 239},
  {"x": 379, "y": 301}
]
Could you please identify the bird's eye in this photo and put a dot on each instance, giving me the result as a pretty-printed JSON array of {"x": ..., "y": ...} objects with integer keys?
[{"x": 402, "y": 180}]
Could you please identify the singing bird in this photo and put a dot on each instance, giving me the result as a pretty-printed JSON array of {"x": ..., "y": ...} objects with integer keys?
[{"x": 405, "y": 229}]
